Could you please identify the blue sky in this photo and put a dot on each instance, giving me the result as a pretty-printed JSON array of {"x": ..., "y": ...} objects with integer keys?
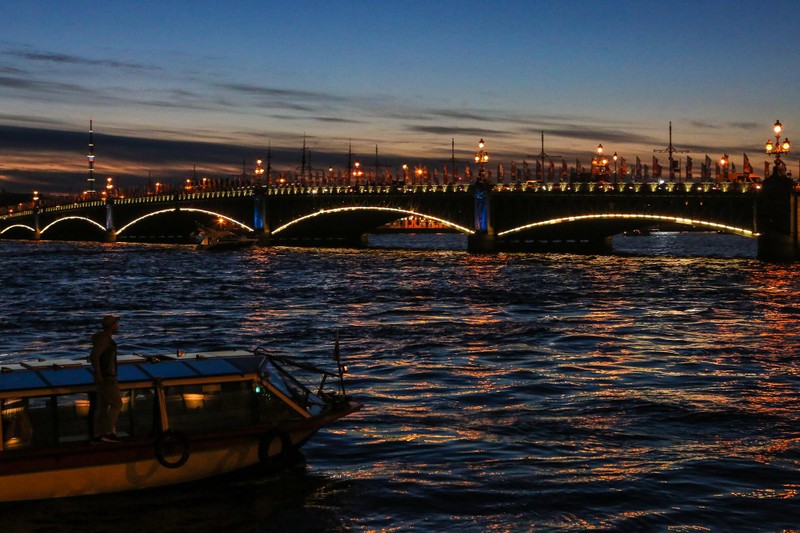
[{"x": 175, "y": 85}]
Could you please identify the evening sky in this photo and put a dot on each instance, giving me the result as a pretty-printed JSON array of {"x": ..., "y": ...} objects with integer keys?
[{"x": 174, "y": 86}]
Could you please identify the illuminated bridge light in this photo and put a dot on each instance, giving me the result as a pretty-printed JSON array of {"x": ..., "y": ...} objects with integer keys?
[
  {"x": 72, "y": 218},
  {"x": 661, "y": 218},
  {"x": 17, "y": 226},
  {"x": 404, "y": 212},
  {"x": 190, "y": 209}
]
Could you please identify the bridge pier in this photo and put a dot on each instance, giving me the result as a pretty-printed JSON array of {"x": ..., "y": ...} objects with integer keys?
[
  {"x": 777, "y": 218},
  {"x": 481, "y": 243},
  {"x": 37, "y": 230},
  {"x": 484, "y": 239},
  {"x": 111, "y": 231}
]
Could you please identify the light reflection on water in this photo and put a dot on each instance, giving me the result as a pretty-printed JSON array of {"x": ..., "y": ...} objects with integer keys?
[{"x": 647, "y": 390}]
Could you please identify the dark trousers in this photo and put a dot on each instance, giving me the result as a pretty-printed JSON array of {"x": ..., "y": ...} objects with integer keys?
[{"x": 109, "y": 405}]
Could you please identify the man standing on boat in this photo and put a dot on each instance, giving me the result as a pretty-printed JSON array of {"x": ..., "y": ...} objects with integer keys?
[{"x": 104, "y": 365}]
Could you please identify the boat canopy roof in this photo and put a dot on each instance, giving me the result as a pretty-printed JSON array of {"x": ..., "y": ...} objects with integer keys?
[{"x": 50, "y": 375}]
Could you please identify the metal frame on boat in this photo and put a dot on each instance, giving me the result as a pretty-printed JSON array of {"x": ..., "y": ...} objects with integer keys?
[{"x": 185, "y": 417}]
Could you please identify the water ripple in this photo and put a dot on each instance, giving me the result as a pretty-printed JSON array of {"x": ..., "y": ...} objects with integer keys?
[{"x": 509, "y": 392}]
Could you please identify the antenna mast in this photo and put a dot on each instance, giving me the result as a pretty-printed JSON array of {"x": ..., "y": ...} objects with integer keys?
[
  {"x": 90, "y": 157},
  {"x": 303, "y": 159},
  {"x": 542, "y": 155},
  {"x": 453, "y": 157},
  {"x": 377, "y": 167},
  {"x": 349, "y": 161},
  {"x": 671, "y": 150},
  {"x": 269, "y": 162}
]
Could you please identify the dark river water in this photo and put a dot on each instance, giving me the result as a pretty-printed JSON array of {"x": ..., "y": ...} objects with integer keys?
[{"x": 653, "y": 389}]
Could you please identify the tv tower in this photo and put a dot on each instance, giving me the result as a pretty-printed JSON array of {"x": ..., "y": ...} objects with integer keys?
[{"x": 90, "y": 157}]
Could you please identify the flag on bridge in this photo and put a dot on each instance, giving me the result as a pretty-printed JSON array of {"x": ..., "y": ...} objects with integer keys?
[
  {"x": 623, "y": 166},
  {"x": 637, "y": 169},
  {"x": 656, "y": 168},
  {"x": 688, "y": 167},
  {"x": 746, "y": 168}
]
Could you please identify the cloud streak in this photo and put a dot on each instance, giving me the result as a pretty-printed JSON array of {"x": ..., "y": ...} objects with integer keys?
[{"x": 53, "y": 57}]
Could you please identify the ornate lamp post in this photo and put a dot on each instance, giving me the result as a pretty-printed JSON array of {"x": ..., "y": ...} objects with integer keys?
[
  {"x": 481, "y": 158},
  {"x": 615, "y": 157},
  {"x": 778, "y": 148},
  {"x": 259, "y": 172},
  {"x": 358, "y": 174},
  {"x": 600, "y": 163}
]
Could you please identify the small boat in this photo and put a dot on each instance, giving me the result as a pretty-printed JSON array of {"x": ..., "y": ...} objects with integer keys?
[
  {"x": 185, "y": 417},
  {"x": 222, "y": 239}
]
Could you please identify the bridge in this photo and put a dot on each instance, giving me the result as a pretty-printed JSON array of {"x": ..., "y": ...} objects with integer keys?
[{"x": 552, "y": 216}]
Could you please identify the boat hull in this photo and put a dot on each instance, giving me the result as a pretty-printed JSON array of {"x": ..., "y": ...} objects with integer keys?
[{"x": 87, "y": 468}]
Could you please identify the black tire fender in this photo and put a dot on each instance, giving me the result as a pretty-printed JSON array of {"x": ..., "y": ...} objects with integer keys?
[{"x": 167, "y": 443}]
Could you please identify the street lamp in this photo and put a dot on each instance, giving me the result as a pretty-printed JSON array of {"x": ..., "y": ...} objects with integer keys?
[
  {"x": 778, "y": 148},
  {"x": 358, "y": 173},
  {"x": 481, "y": 158},
  {"x": 259, "y": 171},
  {"x": 614, "y": 157}
]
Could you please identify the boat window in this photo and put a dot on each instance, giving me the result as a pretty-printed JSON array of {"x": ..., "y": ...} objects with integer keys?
[
  {"x": 139, "y": 418},
  {"x": 47, "y": 420},
  {"x": 272, "y": 409},
  {"x": 72, "y": 417},
  {"x": 31, "y": 419},
  {"x": 210, "y": 406},
  {"x": 17, "y": 429}
]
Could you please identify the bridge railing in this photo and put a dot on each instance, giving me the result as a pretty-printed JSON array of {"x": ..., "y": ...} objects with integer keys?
[
  {"x": 636, "y": 187},
  {"x": 53, "y": 204}
]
